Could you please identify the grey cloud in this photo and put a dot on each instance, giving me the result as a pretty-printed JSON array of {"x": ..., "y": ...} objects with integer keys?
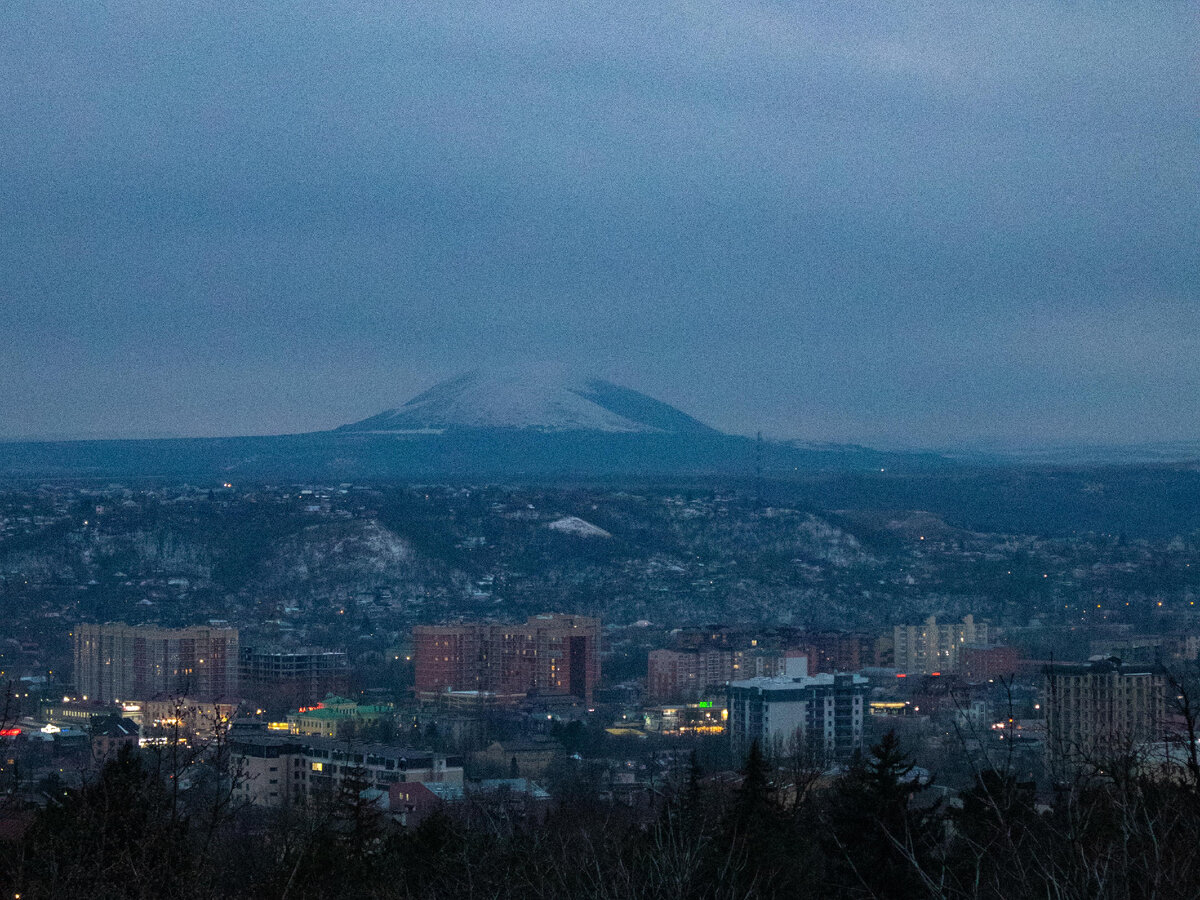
[{"x": 833, "y": 222}]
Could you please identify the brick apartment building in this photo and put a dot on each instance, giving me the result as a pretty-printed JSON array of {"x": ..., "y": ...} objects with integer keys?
[{"x": 548, "y": 654}]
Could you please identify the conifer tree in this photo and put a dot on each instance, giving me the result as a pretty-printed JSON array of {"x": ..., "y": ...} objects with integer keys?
[{"x": 876, "y": 841}]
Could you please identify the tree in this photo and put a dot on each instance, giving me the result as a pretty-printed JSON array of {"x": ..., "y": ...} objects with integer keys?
[
  {"x": 119, "y": 836},
  {"x": 760, "y": 850},
  {"x": 878, "y": 843}
]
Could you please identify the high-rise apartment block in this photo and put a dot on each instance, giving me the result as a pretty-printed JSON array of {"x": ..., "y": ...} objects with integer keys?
[
  {"x": 929, "y": 648},
  {"x": 1102, "y": 710},
  {"x": 548, "y": 654},
  {"x": 122, "y": 662},
  {"x": 287, "y": 679},
  {"x": 686, "y": 675},
  {"x": 823, "y": 713}
]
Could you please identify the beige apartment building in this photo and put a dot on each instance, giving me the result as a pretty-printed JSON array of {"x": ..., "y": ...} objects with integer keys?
[
  {"x": 280, "y": 770},
  {"x": 933, "y": 648},
  {"x": 139, "y": 662},
  {"x": 1102, "y": 711}
]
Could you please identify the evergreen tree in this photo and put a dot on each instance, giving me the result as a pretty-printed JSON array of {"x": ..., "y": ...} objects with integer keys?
[
  {"x": 876, "y": 842},
  {"x": 754, "y": 794},
  {"x": 357, "y": 821},
  {"x": 761, "y": 851}
]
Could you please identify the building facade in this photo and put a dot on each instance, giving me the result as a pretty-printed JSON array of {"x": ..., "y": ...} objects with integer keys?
[
  {"x": 548, "y": 654},
  {"x": 1102, "y": 711},
  {"x": 932, "y": 648},
  {"x": 835, "y": 651},
  {"x": 289, "y": 679},
  {"x": 695, "y": 673},
  {"x": 687, "y": 674},
  {"x": 330, "y": 717},
  {"x": 822, "y": 713},
  {"x": 121, "y": 662},
  {"x": 283, "y": 770},
  {"x": 986, "y": 663}
]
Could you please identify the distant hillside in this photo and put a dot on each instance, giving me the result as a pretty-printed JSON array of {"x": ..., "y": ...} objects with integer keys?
[{"x": 465, "y": 454}]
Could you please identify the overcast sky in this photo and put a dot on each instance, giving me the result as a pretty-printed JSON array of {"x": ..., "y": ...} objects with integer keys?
[{"x": 901, "y": 224}]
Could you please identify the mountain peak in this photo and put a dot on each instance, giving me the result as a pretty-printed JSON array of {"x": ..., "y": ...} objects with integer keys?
[{"x": 536, "y": 399}]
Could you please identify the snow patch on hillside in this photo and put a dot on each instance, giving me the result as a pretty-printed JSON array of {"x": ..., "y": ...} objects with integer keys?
[{"x": 578, "y": 527}]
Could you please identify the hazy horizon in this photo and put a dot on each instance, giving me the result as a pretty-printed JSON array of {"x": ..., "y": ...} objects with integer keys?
[{"x": 979, "y": 445}]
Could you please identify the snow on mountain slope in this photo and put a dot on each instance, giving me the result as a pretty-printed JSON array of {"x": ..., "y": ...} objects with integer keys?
[
  {"x": 578, "y": 527},
  {"x": 535, "y": 400}
]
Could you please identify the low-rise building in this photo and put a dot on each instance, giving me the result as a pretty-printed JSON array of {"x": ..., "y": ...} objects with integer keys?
[
  {"x": 511, "y": 799},
  {"x": 280, "y": 770},
  {"x": 111, "y": 735},
  {"x": 333, "y": 716},
  {"x": 519, "y": 757},
  {"x": 702, "y": 717},
  {"x": 165, "y": 716}
]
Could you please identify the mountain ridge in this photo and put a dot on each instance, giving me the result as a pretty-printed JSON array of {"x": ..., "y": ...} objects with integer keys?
[{"x": 514, "y": 425}]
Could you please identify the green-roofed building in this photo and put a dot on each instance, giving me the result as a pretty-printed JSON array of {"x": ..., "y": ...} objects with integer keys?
[{"x": 327, "y": 717}]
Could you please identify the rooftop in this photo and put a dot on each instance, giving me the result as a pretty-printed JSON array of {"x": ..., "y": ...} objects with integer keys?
[{"x": 788, "y": 683}]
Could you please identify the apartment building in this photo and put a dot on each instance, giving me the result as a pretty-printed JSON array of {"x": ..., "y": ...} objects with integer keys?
[
  {"x": 1101, "y": 711},
  {"x": 288, "y": 769},
  {"x": 932, "y": 647},
  {"x": 114, "y": 661},
  {"x": 547, "y": 654},
  {"x": 823, "y": 713}
]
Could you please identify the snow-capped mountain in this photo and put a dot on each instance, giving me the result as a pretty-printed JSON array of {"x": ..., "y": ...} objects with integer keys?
[
  {"x": 538, "y": 401},
  {"x": 511, "y": 425}
]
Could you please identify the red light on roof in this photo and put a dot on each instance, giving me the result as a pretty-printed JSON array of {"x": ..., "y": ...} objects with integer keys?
[
  {"x": 9, "y": 732},
  {"x": 901, "y": 675},
  {"x": 935, "y": 673}
]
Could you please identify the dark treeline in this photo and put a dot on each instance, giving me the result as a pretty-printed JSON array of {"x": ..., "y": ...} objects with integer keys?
[{"x": 778, "y": 831}]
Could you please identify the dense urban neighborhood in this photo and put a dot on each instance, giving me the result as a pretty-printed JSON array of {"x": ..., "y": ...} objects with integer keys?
[{"x": 482, "y": 657}]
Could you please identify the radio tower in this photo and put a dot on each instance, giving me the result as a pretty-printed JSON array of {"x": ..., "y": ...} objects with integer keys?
[{"x": 758, "y": 469}]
